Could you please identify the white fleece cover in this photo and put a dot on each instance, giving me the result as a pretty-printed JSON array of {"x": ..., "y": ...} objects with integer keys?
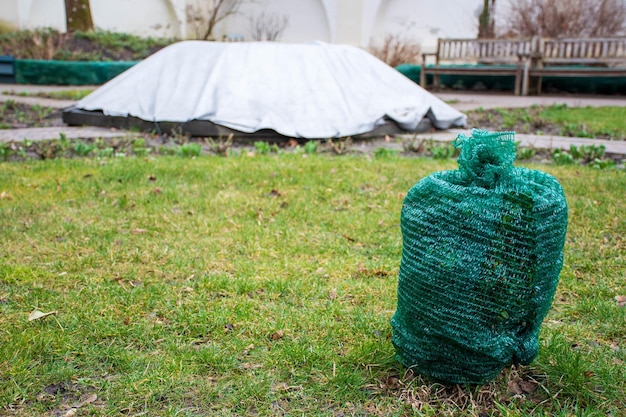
[{"x": 312, "y": 90}]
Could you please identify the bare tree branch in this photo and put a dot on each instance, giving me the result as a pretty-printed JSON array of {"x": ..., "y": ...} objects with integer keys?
[
  {"x": 396, "y": 49},
  {"x": 268, "y": 27},
  {"x": 563, "y": 18},
  {"x": 205, "y": 16}
]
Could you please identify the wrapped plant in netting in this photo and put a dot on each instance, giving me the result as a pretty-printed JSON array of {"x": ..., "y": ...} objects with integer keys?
[{"x": 482, "y": 252}]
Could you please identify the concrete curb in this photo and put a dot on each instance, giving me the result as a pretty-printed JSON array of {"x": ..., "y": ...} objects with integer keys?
[
  {"x": 549, "y": 142},
  {"x": 49, "y": 133}
]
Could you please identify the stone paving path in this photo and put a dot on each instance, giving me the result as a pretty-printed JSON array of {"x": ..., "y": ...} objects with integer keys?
[
  {"x": 70, "y": 132},
  {"x": 534, "y": 141},
  {"x": 463, "y": 101}
]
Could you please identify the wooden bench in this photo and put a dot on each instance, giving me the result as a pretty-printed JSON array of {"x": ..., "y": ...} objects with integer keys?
[
  {"x": 573, "y": 57},
  {"x": 528, "y": 60},
  {"x": 502, "y": 57}
]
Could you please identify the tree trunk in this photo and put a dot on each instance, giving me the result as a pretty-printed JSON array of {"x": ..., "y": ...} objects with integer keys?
[
  {"x": 78, "y": 15},
  {"x": 486, "y": 21}
]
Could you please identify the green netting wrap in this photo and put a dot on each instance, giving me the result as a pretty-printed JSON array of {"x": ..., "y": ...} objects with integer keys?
[{"x": 481, "y": 257}]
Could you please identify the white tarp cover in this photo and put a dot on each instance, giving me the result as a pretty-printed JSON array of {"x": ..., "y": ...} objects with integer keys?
[{"x": 311, "y": 90}]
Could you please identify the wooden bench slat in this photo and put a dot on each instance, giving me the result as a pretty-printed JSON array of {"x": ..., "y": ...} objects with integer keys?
[{"x": 528, "y": 57}]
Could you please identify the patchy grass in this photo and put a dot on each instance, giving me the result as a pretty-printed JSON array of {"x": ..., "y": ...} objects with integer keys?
[
  {"x": 588, "y": 122},
  {"x": 264, "y": 286},
  {"x": 56, "y": 95}
]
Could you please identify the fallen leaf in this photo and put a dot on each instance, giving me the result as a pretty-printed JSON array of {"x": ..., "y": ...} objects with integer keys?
[
  {"x": 514, "y": 387},
  {"x": 36, "y": 315},
  {"x": 519, "y": 386},
  {"x": 621, "y": 300},
  {"x": 274, "y": 193},
  {"x": 157, "y": 190},
  {"x": 528, "y": 386},
  {"x": 332, "y": 295},
  {"x": 277, "y": 335},
  {"x": 284, "y": 387},
  {"x": 392, "y": 382},
  {"x": 138, "y": 231},
  {"x": 152, "y": 177},
  {"x": 251, "y": 366},
  {"x": 86, "y": 400},
  {"x": 5, "y": 196}
]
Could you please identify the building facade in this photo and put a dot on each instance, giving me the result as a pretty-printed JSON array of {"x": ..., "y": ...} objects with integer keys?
[{"x": 355, "y": 22}]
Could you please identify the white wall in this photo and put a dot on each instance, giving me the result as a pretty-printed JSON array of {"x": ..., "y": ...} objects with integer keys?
[
  {"x": 308, "y": 20},
  {"x": 9, "y": 15},
  {"x": 45, "y": 13},
  {"x": 428, "y": 20},
  {"x": 355, "y": 22},
  {"x": 155, "y": 18}
]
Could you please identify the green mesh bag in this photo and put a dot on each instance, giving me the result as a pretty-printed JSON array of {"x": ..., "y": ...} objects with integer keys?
[{"x": 481, "y": 257}]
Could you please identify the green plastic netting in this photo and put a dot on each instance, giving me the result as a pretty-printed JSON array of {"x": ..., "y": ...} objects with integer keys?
[
  {"x": 481, "y": 257},
  {"x": 35, "y": 71}
]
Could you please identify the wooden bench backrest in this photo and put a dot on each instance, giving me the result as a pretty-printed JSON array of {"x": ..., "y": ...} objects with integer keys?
[
  {"x": 483, "y": 50},
  {"x": 583, "y": 51}
]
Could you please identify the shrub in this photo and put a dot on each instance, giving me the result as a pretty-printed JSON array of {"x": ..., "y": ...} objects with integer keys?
[
  {"x": 99, "y": 45},
  {"x": 32, "y": 44},
  {"x": 562, "y": 18},
  {"x": 396, "y": 49}
]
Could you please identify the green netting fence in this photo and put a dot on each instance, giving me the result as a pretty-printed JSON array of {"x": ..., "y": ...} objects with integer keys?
[
  {"x": 584, "y": 85},
  {"x": 482, "y": 252},
  {"x": 34, "y": 71}
]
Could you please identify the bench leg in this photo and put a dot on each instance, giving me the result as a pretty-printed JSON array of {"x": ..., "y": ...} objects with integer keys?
[
  {"x": 539, "y": 79},
  {"x": 526, "y": 79},
  {"x": 435, "y": 81},
  {"x": 423, "y": 77}
]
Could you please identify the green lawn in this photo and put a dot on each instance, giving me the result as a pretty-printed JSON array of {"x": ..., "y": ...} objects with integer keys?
[
  {"x": 588, "y": 121},
  {"x": 264, "y": 286}
]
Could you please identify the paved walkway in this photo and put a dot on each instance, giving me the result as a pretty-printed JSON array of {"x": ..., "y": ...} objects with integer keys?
[
  {"x": 70, "y": 132},
  {"x": 10, "y": 91},
  {"x": 533, "y": 141},
  {"x": 463, "y": 101}
]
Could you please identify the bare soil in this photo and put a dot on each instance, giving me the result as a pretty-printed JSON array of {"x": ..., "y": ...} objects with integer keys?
[{"x": 17, "y": 116}]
